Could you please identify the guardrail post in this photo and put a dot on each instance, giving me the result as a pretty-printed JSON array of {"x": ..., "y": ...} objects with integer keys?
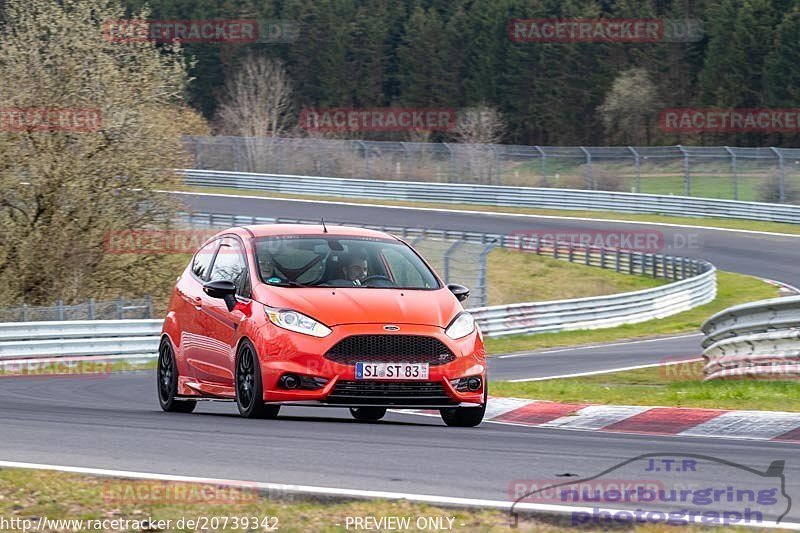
[
  {"x": 687, "y": 180},
  {"x": 616, "y": 260},
  {"x": 643, "y": 259},
  {"x": 630, "y": 262},
  {"x": 120, "y": 308},
  {"x": 781, "y": 176},
  {"x": 544, "y": 165},
  {"x": 587, "y": 258},
  {"x": 683, "y": 268},
  {"x": 637, "y": 163},
  {"x": 24, "y": 312},
  {"x": 735, "y": 174},
  {"x": 90, "y": 308},
  {"x": 589, "y": 178},
  {"x": 655, "y": 266},
  {"x": 569, "y": 251},
  {"x": 602, "y": 257},
  {"x": 555, "y": 249},
  {"x": 59, "y": 310},
  {"x": 148, "y": 301}
]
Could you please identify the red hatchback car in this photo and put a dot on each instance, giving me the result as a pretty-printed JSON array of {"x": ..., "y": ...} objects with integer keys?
[{"x": 308, "y": 315}]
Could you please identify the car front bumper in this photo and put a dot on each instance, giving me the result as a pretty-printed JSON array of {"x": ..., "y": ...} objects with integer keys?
[{"x": 284, "y": 352}]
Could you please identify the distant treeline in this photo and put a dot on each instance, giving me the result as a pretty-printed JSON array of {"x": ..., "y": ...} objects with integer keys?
[{"x": 458, "y": 53}]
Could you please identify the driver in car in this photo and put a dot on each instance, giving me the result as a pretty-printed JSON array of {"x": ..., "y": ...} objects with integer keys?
[{"x": 355, "y": 267}]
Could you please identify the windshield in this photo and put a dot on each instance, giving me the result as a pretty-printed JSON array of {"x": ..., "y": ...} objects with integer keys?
[{"x": 322, "y": 261}]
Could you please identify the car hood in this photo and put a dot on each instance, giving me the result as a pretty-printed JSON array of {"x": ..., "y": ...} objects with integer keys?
[{"x": 336, "y": 306}]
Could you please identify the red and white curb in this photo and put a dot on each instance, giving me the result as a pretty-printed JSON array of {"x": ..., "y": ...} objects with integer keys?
[{"x": 671, "y": 421}]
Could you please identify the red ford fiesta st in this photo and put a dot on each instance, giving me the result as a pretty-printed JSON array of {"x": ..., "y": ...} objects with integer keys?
[{"x": 307, "y": 315}]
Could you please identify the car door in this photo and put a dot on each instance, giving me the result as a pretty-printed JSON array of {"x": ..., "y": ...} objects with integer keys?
[
  {"x": 191, "y": 320},
  {"x": 221, "y": 324}
]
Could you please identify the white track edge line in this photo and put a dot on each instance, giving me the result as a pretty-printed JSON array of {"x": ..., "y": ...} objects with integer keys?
[
  {"x": 590, "y": 346},
  {"x": 353, "y": 493},
  {"x": 491, "y": 213},
  {"x": 596, "y": 372}
]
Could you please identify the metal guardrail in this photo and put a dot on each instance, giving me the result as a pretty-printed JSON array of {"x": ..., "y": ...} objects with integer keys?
[
  {"x": 497, "y": 195},
  {"x": 598, "y": 312},
  {"x": 759, "y": 340},
  {"x": 20, "y": 340},
  {"x": 766, "y": 174},
  {"x": 118, "y": 309}
]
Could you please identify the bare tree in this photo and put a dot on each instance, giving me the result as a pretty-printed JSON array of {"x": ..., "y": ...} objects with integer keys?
[
  {"x": 481, "y": 124},
  {"x": 64, "y": 189},
  {"x": 630, "y": 107},
  {"x": 257, "y": 104},
  {"x": 476, "y": 130}
]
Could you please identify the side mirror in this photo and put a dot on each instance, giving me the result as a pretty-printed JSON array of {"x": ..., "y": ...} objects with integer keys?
[
  {"x": 224, "y": 289},
  {"x": 461, "y": 292}
]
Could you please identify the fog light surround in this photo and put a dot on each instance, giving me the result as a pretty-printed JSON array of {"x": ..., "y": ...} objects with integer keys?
[
  {"x": 468, "y": 384},
  {"x": 294, "y": 382}
]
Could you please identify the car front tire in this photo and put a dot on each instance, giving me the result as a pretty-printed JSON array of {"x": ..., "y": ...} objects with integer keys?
[
  {"x": 249, "y": 387},
  {"x": 368, "y": 414},
  {"x": 167, "y": 381},
  {"x": 465, "y": 417}
]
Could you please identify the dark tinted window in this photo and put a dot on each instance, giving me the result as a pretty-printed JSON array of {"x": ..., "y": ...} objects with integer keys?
[{"x": 202, "y": 259}]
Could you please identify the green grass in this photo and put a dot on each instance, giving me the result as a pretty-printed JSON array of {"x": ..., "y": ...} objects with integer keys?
[
  {"x": 30, "y": 494},
  {"x": 748, "y": 225},
  {"x": 514, "y": 277},
  {"x": 732, "y": 289},
  {"x": 89, "y": 368},
  {"x": 669, "y": 386}
]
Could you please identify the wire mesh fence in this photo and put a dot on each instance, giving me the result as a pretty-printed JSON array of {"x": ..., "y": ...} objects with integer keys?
[
  {"x": 766, "y": 174},
  {"x": 119, "y": 309}
]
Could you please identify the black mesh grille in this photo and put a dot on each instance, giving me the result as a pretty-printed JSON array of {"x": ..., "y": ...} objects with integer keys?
[
  {"x": 389, "y": 392},
  {"x": 390, "y": 349}
]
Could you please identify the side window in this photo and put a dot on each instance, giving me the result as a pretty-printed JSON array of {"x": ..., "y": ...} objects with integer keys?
[
  {"x": 405, "y": 274},
  {"x": 230, "y": 265},
  {"x": 202, "y": 259}
]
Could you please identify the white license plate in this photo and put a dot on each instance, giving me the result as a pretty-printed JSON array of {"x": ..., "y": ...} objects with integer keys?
[{"x": 397, "y": 371}]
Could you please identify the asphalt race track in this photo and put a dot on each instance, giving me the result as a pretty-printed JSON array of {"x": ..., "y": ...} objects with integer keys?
[
  {"x": 114, "y": 421},
  {"x": 561, "y": 361}
]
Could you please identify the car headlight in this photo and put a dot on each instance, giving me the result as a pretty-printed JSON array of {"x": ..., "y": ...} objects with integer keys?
[
  {"x": 294, "y": 321},
  {"x": 461, "y": 326}
]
